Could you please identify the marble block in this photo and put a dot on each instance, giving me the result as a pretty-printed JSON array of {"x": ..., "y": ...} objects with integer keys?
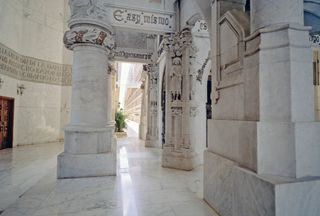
[
  {"x": 218, "y": 183},
  {"x": 236, "y": 140},
  {"x": 273, "y": 195},
  {"x": 86, "y": 165},
  {"x": 182, "y": 160},
  {"x": 307, "y": 149},
  {"x": 289, "y": 149},
  {"x": 88, "y": 140},
  {"x": 235, "y": 191},
  {"x": 252, "y": 195}
]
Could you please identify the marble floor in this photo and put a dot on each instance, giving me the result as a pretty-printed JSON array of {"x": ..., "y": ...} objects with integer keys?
[{"x": 28, "y": 185}]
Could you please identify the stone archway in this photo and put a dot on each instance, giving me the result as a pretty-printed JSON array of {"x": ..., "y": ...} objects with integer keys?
[{"x": 89, "y": 137}]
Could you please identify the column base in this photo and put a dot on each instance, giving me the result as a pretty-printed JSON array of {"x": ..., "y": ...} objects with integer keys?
[
  {"x": 142, "y": 133},
  {"x": 88, "y": 152},
  {"x": 235, "y": 191},
  {"x": 86, "y": 165},
  {"x": 152, "y": 143},
  {"x": 182, "y": 160}
]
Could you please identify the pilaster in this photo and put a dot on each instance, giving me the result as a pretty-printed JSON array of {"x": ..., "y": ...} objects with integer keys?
[{"x": 152, "y": 129}]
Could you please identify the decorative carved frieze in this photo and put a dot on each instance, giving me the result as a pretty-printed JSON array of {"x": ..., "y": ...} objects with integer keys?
[
  {"x": 176, "y": 42},
  {"x": 34, "y": 70},
  {"x": 132, "y": 55},
  {"x": 87, "y": 34},
  {"x": 153, "y": 73}
]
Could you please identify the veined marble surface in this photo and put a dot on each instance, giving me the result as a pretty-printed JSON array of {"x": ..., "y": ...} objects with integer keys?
[{"x": 142, "y": 186}]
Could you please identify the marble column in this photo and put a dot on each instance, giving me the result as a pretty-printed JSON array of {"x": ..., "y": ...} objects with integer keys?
[
  {"x": 177, "y": 151},
  {"x": 152, "y": 116},
  {"x": 89, "y": 138}
]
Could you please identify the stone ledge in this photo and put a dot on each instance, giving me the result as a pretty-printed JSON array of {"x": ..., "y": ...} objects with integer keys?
[{"x": 235, "y": 191}]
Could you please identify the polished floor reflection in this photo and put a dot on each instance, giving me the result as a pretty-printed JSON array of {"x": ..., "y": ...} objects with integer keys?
[{"x": 142, "y": 187}]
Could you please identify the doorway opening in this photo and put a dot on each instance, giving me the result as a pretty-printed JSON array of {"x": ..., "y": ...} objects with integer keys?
[
  {"x": 6, "y": 122},
  {"x": 129, "y": 96}
]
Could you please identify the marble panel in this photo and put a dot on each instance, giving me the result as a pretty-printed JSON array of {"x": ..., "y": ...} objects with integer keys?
[
  {"x": 218, "y": 185},
  {"x": 236, "y": 191},
  {"x": 302, "y": 92},
  {"x": 236, "y": 140},
  {"x": 228, "y": 44},
  {"x": 252, "y": 195},
  {"x": 85, "y": 140},
  {"x": 276, "y": 150},
  {"x": 230, "y": 105},
  {"x": 296, "y": 199},
  {"x": 307, "y": 153}
]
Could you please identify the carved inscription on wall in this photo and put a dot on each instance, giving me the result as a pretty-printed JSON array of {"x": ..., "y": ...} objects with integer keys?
[
  {"x": 131, "y": 55},
  {"x": 30, "y": 69},
  {"x": 143, "y": 19}
]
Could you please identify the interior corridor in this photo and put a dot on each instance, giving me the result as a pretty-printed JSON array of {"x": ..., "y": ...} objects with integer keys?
[{"x": 142, "y": 187}]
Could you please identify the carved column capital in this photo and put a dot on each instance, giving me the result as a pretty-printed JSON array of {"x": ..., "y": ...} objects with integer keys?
[
  {"x": 89, "y": 34},
  {"x": 177, "y": 43},
  {"x": 153, "y": 73}
]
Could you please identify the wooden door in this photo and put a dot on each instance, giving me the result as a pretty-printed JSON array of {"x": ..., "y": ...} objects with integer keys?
[{"x": 6, "y": 122}]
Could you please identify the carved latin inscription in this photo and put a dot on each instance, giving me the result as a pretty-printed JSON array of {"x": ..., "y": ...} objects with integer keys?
[
  {"x": 30, "y": 69},
  {"x": 141, "y": 17}
]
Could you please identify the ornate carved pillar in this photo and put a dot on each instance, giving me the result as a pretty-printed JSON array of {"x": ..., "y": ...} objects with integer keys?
[
  {"x": 89, "y": 138},
  {"x": 152, "y": 128},
  {"x": 178, "y": 152}
]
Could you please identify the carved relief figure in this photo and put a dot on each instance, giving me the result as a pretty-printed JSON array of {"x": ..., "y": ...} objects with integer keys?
[{"x": 176, "y": 79}]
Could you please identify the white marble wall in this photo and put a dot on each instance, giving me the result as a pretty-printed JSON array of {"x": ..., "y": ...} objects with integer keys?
[
  {"x": 35, "y": 29},
  {"x": 39, "y": 116}
]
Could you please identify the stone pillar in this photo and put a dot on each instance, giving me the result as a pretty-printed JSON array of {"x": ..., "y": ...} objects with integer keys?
[
  {"x": 144, "y": 107},
  {"x": 89, "y": 138},
  {"x": 152, "y": 116},
  {"x": 264, "y": 148},
  {"x": 178, "y": 152},
  {"x": 286, "y": 131}
]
